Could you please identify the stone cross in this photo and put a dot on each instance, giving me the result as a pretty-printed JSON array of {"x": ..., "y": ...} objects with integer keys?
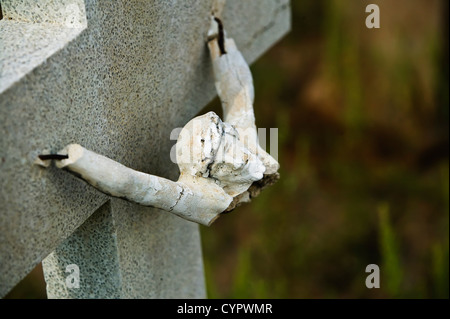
[{"x": 116, "y": 77}]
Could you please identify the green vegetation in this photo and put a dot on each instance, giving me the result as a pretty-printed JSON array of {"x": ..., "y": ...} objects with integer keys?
[{"x": 363, "y": 131}]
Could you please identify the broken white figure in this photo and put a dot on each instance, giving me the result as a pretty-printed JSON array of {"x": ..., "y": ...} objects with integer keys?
[{"x": 221, "y": 163}]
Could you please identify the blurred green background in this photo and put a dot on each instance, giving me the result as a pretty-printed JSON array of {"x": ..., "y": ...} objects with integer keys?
[{"x": 363, "y": 145}]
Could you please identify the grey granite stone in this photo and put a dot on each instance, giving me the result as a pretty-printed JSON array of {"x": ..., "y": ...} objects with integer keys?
[
  {"x": 93, "y": 249},
  {"x": 120, "y": 254},
  {"x": 118, "y": 87},
  {"x": 154, "y": 265},
  {"x": 40, "y": 42},
  {"x": 69, "y": 13}
]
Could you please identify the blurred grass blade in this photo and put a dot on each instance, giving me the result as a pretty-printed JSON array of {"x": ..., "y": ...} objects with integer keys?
[
  {"x": 391, "y": 270},
  {"x": 440, "y": 270}
]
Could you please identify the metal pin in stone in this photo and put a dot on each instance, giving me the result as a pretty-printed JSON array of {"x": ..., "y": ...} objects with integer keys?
[
  {"x": 45, "y": 157},
  {"x": 217, "y": 32},
  {"x": 45, "y": 160},
  {"x": 221, "y": 37}
]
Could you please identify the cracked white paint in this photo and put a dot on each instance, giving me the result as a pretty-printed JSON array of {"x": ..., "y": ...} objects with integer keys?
[{"x": 221, "y": 163}]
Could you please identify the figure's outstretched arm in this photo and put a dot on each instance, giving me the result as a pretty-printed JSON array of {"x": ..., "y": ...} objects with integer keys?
[
  {"x": 234, "y": 85},
  {"x": 197, "y": 200}
]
